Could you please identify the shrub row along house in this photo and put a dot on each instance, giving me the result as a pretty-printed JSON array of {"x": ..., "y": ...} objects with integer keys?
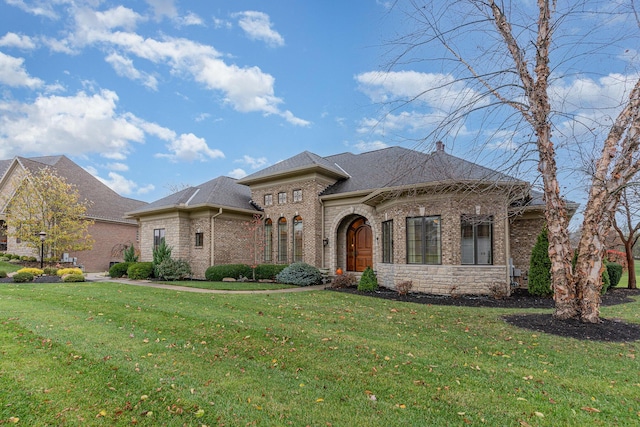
[
  {"x": 110, "y": 230},
  {"x": 441, "y": 222}
]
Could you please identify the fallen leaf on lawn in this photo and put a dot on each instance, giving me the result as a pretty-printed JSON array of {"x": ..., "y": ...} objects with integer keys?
[
  {"x": 199, "y": 413},
  {"x": 144, "y": 397},
  {"x": 539, "y": 414},
  {"x": 14, "y": 420},
  {"x": 102, "y": 413},
  {"x": 319, "y": 399},
  {"x": 589, "y": 409}
]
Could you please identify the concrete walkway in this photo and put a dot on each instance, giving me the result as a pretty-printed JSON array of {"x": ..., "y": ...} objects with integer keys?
[{"x": 102, "y": 277}]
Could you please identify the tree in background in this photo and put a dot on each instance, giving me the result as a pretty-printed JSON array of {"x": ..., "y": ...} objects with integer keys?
[
  {"x": 45, "y": 201},
  {"x": 502, "y": 54},
  {"x": 627, "y": 225},
  {"x": 254, "y": 239}
]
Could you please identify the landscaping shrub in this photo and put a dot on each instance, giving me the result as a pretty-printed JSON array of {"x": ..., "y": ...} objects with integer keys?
[
  {"x": 50, "y": 271},
  {"x": 216, "y": 273},
  {"x": 15, "y": 261},
  {"x": 346, "y": 280},
  {"x": 119, "y": 269},
  {"x": 3, "y": 274},
  {"x": 368, "y": 281},
  {"x": 71, "y": 270},
  {"x": 4, "y": 259},
  {"x": 300, "y": 274},
  {"x": 31, "y": 270},
  {"x": 173, "y": 269},
  {"x": 615, "y": 273},
  {"x": 269, "y": 271},
  {"x": 606, "y": 281},
  {"x": 23, "y": 277},
  {"x": 129, "y": 254},
  {"x": 73, "y": 278},
  {"x": 160, "y": 253},
  {"x": 404, "y": 287},
  {"x": 540, "y": 267},
  {"x": 140, "y": 270}
]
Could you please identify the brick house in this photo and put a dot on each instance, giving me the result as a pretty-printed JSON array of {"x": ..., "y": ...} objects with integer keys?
[
  {"x": 446, "y": 224},
  {"x": 111, "y": 230}
]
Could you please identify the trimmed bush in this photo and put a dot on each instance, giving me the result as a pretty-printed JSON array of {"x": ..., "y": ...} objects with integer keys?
[
  {"x": 31, "y": 270},
  {"x": 368, "y": 281},
  {"x": 140, "y": 270},
  {"x": 119, "y": 269},
  {"x": 3, "y": 274},
  {"x": 23, "y": 277},
  {"x": 300, "y": 274},
  {"x": 70, "y": 270},
  {"x": 73, "y": 278},
  {"x": 216, "y": 273},
  {"x": 346, "y": 280},
  {"x": 160, "y": 253},
  {"x": 540, "y": 267},
  {"x": 4, "y": 259},
  {"x": 15, "y": 261},
  {"x": 173, "y": 269},
  {"x": 269, "y": 271},
  {"x": 615, "y": 273},
  {"x": 50, "y": 271}
]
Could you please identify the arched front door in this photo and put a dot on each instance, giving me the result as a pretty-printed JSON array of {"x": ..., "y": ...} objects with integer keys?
[{"x": 359, "y": 246}]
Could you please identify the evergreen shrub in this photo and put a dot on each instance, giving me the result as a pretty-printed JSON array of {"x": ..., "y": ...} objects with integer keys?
[
  {"x": 3, "y": 274},
  {"x": 23, "y": 277},
  {"x": 368, "y": 282},
  {"x": 31, "y": 270},
  {"x": 268, "y": 271},
  {"x": 119, "y": 269},
  {"x": 300, "y": 274},
  {"x": 140, "y": 270},
  {"x": 50, "y": 271},
  {"x": 540, "y": 267},
  {"x": 70, "y": 270},
  {"x": 173, "y": 269},
  {"x": 70, "y": 278},
  {"x": 216, "y": 273},
  {"x": 615, "y": 273}
]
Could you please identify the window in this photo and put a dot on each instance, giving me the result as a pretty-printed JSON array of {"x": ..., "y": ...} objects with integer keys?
[
  {"x": 423, "y": 240},
  {"x": 158, "y": 237},
  {"x": 477, "y": 239},
  {"x": 268, "y": 241},
  {"x": 268, "y": 199},
  {"x": 282, "y": 198},
  {"x": 297, "y": 239},
  {"x": 297, "y": 196},
  {"x": 199, "y": 240},
  {"x": 387, "y": 242},
  {"x": 282, "y": 240}
]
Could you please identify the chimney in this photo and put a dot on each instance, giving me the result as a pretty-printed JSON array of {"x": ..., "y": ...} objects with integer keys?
[{"x": 440, "y": 146}]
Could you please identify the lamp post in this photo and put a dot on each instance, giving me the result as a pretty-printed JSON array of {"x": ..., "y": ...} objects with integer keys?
[{"x": 42, "y": 235}]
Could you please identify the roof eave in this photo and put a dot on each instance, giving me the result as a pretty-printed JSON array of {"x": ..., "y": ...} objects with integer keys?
[{"x": 291, "y": 173}]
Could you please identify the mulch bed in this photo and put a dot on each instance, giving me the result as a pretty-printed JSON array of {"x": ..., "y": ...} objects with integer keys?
[{"x": 612, "y": 330}]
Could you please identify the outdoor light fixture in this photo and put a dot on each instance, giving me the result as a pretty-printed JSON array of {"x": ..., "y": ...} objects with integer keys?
[
  {"x": 42, "y": 235},
  {"x": 325, "y": 241}
]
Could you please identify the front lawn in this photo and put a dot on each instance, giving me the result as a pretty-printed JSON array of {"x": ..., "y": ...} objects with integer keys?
[
  {"x": 114, "y": 354},
  {"x": 8, "y": 267},
  {"x": 229, "y": 286}
]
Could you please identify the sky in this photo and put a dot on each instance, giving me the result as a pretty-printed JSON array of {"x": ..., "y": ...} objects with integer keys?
[{"x": 153, "y": 95}]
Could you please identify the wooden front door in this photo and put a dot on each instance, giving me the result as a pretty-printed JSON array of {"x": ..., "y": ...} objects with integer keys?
[{"x": 359, "y": 246}]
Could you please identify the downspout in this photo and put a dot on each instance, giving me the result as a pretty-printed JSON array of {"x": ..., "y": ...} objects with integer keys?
[
  {"x": 322, "y": 236},
  {"x": 212, "y": 256}
]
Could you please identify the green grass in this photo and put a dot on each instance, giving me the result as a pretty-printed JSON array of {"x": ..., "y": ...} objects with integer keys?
[
  {"x": 624, "y": 279},
  {"x": 229, "y": 286},
  {"x": 8, "y": 267},
  {"x": 112, "y": 354}
]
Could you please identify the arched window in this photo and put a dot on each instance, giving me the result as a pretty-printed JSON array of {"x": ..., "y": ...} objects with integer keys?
[
  {"x": 268, "y": 240},
  {"x": 297, "y": 239},
  {"x": 282, "y": 240}
]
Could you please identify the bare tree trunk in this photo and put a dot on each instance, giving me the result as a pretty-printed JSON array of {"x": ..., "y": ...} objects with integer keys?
[{"x": 631, "y": 265}]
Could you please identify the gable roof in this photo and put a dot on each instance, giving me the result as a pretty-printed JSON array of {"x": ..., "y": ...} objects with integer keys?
[
  {"x": 304, "y": 162},
  {"x": 105, "y": 204},
  {"x": 216, "y": 193}
]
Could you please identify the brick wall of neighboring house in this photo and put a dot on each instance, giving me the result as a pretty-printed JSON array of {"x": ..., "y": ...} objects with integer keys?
[
  {"x": 309, "y": 208},
  {"x": 436, "y": 279},
  {"x": 524, "y": 232},
  {"x": 108, "y": 237}
]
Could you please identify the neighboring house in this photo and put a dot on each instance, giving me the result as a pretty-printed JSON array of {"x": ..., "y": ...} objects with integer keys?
[
  {"x": 445, "y": 224},
  {"x": 110, "y": 229}
]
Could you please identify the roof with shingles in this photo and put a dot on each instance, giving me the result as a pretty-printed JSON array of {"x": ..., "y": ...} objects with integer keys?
[
  {"x": 105, "y": 204},
  {"x": 219, "y": 192}
]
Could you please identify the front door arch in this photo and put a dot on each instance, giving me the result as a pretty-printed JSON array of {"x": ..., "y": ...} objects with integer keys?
[{"x": 359, "y": 245}]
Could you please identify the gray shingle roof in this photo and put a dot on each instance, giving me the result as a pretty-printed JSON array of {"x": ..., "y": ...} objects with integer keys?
[
  {"x": 219, "y": 192},
  {"x": 397, "y": 166},
  {"x": 296, "y": 164},
  {"x": 106, "y": 204}
]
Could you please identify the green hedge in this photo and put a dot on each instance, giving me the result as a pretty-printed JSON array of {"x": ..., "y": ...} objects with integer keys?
[
  {"x": 73, "y": 278},
  {"x": 23, "y": 277},
  {"x": 269, "y": 271},
  {"x": 216, "y": 273},
  {"x": 119, "y": 269},
  {"x": 615, "y": 273},
  {"x": 140, "y": 270}
]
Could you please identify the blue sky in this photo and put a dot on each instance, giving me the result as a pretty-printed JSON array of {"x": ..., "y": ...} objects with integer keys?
[{"x": 154, "y": 94}]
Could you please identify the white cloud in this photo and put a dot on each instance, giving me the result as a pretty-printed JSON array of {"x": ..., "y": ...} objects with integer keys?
[
  {"x": 119, "y": 184},
  {"x": 162, "y": 8},
  {"x": 406, "y": 120},
  {"x": 120, "y": 167},
  {"x": 237, "y": 173},
  {"x": 124, "y": 67},
  {"x": 40, "y": 8},
  {"x": 189, "y": 147},
  {"x": 202, "y": 117},
  {"x": 363, "y": 146},
  {"x": 190, "y": 19},
  {"x": 253, "y": 162},
  {"x": 12, "y": 73},
  {"x": 146, "y": 189},
  {"x": 17, "y": 40},
  {"x": 258, "y": 26},
  {"x": 221, "y": 23}
]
